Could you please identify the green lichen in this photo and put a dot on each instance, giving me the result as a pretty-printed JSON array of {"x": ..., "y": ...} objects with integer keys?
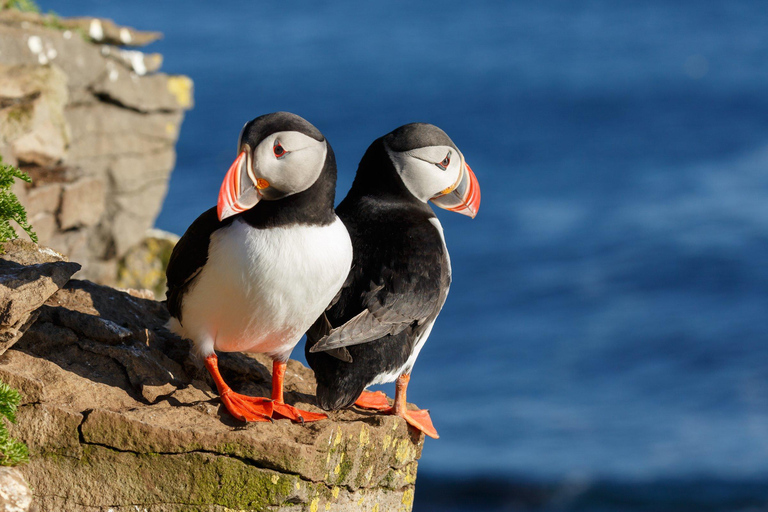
[
  {"x": 20, "y": 113},
  {"x": 191, "y": 478},
  {"x": 226, "y": 484},
  {"x": 195, "y": 479},
  {"x": 346, "y": 466}
]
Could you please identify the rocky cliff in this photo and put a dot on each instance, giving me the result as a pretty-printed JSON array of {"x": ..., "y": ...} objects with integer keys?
[
  {"x": 117, "y": 416},
  {"x": 94, "y": 123}
]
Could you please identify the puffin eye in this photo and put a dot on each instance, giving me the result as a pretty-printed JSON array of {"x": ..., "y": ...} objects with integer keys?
[
  {"x": 279, "y": 150},
  {"x": 446, "y": 162}
]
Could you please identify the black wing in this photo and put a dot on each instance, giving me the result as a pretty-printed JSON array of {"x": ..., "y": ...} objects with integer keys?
[
  {"x": 188, "y": 258},
  {"x": 398, "y": 281}
]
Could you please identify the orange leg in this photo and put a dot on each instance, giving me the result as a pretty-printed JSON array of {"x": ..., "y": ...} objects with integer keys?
[
  {"x": 418, "y": 419},
  {"x": 278, "y": 404},
  {"x": 242, "y": 407}
]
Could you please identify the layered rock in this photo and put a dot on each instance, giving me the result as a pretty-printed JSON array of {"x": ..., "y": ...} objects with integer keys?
[
  {"x": 117, "y": 415},
  {"x": 95, "y": 125},
  {"x": 25, "y": 285}
]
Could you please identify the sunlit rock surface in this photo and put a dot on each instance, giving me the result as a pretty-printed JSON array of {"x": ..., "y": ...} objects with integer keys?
[
  {"x": 118, "y": 416},
  {"x": 95, "y": 124}
]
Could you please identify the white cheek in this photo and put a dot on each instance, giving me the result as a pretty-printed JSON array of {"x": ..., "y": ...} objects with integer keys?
[
  {"x": 442, "y": 179},
  {"x": 296, "y": 171},
  {"x": 451, "y": 174},
  {"x": 300, "y": 169},
  {"x": 421, "y": 176},
  {"x": 265, "y": 164},
  {"x": 425, "y": 180}
]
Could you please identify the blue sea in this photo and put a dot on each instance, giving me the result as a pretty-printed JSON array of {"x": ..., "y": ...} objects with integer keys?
[{"x": 604, "y": 346}]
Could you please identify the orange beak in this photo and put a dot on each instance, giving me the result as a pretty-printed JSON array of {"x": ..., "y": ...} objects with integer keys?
[
  {"x": 463, "y": 197},
  {"x": 238, "y": 193}
]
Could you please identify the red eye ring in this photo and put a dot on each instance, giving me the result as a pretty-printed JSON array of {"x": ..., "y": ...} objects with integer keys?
[
  {"x": 445, "y": 163},
  {"x": 279, "y": 150}
]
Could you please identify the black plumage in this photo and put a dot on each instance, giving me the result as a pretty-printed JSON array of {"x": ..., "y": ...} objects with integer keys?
[
  {"x": 398, "y": 283},
  {"x": 189, "y": 257}
]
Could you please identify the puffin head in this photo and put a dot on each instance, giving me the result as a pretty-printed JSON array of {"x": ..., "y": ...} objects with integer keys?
[
  {"x": 432, "y": 168},
  {"x": 279, "y": 155}
]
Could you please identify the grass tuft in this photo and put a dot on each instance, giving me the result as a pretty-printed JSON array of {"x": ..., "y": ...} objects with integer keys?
[
  {"x": 12, "y": 452},
  {"x": 10, "y": 208}
]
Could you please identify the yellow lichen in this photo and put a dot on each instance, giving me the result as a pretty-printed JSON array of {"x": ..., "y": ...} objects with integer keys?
[
  {"x": 402, "y": 451},
  {"x": 338, "y": 438},
  {"x": 314, "y": 504},
  {"x": 364, "y": 437},
  {"x": 410, "y": 474},
  {"x": 408, "y": 497},
  {"x": 335, "y": 492},
  {"x": 181, "y": 88},
  {"x": 275, "y": 479}
]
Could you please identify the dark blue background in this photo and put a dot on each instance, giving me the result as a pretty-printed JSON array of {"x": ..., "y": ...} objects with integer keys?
[{"x": 604, "y": 343}]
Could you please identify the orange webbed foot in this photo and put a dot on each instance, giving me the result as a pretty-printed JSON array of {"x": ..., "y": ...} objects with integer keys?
[
  {"x": 295, "y": 414},
  {"x": 376, "y": 400},
  {"x": 247, "y": 408},
  {"x": 420, "y": 420}
]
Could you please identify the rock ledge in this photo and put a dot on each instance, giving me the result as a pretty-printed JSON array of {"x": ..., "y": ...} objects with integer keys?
[{"x": 118, "y": 417}]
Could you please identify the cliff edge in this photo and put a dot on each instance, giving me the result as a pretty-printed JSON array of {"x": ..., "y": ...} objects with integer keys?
[{"x": 119, "y": 417}]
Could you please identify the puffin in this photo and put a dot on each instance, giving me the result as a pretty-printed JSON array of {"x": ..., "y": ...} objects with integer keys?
[
  {"x": 375, "y": 328},
  {"x": 253, "y": 273}
]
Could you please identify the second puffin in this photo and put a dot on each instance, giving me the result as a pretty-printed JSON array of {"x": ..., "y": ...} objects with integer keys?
[{"x": 374, "y": 330}]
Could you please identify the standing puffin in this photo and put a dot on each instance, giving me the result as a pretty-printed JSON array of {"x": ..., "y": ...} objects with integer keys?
[
  {"x": 375, "y": 328},
  {"x": 252, "y": 274}
]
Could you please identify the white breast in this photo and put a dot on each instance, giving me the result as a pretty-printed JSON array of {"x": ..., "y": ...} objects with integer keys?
[{"x": 261, "y": 289}]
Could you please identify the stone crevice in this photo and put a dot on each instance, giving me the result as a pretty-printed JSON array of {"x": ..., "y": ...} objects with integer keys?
[
  {"x": 244, "y": 460},
  {"x": 110, "y": 100}
]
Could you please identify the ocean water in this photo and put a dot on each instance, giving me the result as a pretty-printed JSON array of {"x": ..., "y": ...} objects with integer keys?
[{"x": 603, "y": 347}]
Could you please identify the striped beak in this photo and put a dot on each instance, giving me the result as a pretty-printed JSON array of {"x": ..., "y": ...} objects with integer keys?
[
  {"x": 463, "y": 197},
  {"x": 238, "y": 192}
]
